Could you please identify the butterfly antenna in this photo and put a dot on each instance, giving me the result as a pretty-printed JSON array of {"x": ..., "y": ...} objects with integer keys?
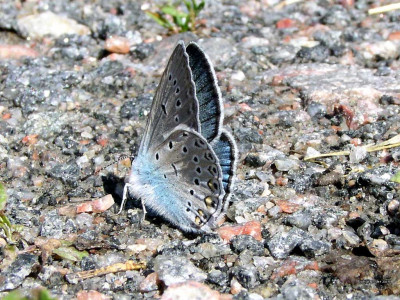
[{"x": 120, "y": 158}]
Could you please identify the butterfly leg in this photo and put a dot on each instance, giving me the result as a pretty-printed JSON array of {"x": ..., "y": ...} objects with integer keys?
[{"x": 125, "y": 196}]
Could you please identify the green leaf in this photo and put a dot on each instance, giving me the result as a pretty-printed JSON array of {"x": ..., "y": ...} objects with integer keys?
[
  {"x": 172, "y": 11},
  {"x": 200, "y": 7},
  {"x": 44, "y": 294},
  {"x": 3, "y": 196},
  {"x": 188, "y": 5},
  {"x": 396, "y": 177},
  {"x": 70, "y": 253},
  {"x": 14, "y": 295},
  {"x": 159, "y": 19}
]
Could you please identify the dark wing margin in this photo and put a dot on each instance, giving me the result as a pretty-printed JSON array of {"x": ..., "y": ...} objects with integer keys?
[
  {"x": 207, "y": 92},
  {"x": 225, "y": 149}
]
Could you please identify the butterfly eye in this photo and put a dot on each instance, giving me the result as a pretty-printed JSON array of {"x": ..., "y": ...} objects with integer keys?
[
  {"x": 191, "y": 193},
  {"x": 170, "y": 77},
  {"x": 196, "y": 181},
  {"x": 174, "y": 81},
  {"x": 170, "y": 145},
  {"x": 198, "y": 170},
  {"x": 176, "y": 119},
  {"x": 184, "y": 149},
  {"x": 157, "y": 156},
  {"x": 195, "y": 159},
  {"x": 178, "y": 103},
  {"x": 177, "y": 90}
]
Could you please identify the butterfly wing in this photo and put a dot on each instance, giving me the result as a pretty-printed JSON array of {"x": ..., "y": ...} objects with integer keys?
[
  {"x": 174, "y": 102},
  {"x": 207, "y": 92},
  {"x": 224, "y": 147},
  {"x": 186, "y": 179}
]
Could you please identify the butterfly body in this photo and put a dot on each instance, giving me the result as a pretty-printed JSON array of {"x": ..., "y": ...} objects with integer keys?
[{"x": 185, "y": 164}]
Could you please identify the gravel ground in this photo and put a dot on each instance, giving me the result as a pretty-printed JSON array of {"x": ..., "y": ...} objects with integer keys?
[{"x": 76, "y": 83}]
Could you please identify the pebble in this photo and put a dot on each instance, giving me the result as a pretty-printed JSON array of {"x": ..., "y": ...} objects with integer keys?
[
  {"x": 53, "y": 225},
  {"x": 300, "y": 219},
  {"x": 190, "y": 290},
  {"x": 246, "y": 276},
  {"x": 240, "y": 243},
  {"x": 91, "y": 295},
  {"x": 393, "y": 206},
  {"x": 16, "y": 52},
  {"x": 286, "y": 164},
  {"x": 175, "y": 269},
  {"x": 47, "y": 23},
  {"x": 312, "y": 248},
  {"x": 117, "y": 44},
  {"x": 251, "y": 228},
  {"x": 283, "y": 243},
  {"x": 96, "y": 206},
  {"x": 20, "y": 268}
]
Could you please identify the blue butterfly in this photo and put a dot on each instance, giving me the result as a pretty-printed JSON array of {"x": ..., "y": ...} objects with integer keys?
[{"x": 186, "y": 162}]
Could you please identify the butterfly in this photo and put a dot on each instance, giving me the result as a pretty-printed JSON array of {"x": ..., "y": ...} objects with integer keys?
[{"x": 186, "y": 161}]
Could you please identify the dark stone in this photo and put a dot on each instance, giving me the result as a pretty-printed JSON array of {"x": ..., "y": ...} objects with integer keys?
[
  {"x": 314, "y": 54},
  {"x": 68, "y": 172},
  {"x": 240, "y": 243},
  {"x": 283, "y": 243},
  {"x": 143, "y": 51},
  {"x": 20, "y": 268},
  {"x": 254, "y": 160},
  {"x": 218, "y": 277},
  {"x": 247, "y": 276},
  {"x": 312, "y": 248}
]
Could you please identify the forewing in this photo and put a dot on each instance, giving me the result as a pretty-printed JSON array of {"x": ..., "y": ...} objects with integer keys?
[
  {"x": 207, "y": 92},
  {"x": 174, "y": 102}
]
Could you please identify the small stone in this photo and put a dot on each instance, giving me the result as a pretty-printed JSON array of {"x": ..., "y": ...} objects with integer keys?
[
  {"x": 218, "y": 277},
  {"x": 190, "y": 290},
  {"x": 16, "y": 52},
  {"x": 300, "y": 219},
  {"x": 84, "y": 221},
  {"x": 286, "y": 164},
  {"x": 240, "y": 243},
  {"x": 351, "y": 238},
  {"x": 255, "y": 160},
  {"x": 296, "y": 289},
  {"x": 393, "y": 206},
  {"x": 53, "y": 225},
  {"x": 357, "y": 154},
  {"x": 91, "y": 295},
  {"x": 251, "y": 228},
  {"x": 274, "y": 212},
  {"x": 209, "y": 250},
  {"x": 177, "y": 269},
  {"x": 150, "y": 283},
  {"x": 48, "y": 23},
  {"x": 247, "y": 276},
  {"x": 282, "y": 243},
  {"x": 312, "y": 248},
  {"x": 365, "y": 231},
  {"x": 117, "y": 44},
  {"x": 287, "y": 207},
  {"x": 20, "y": 268},
  {"x": 96, "y": 206},
  {"x": 378, "y": 247}
]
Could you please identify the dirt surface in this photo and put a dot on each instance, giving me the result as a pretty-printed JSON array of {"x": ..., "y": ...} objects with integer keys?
[{"x": 76, "y": 84}]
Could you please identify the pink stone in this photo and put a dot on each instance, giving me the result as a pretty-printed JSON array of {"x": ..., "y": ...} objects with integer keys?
[{"x": 252, "y": 228}]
